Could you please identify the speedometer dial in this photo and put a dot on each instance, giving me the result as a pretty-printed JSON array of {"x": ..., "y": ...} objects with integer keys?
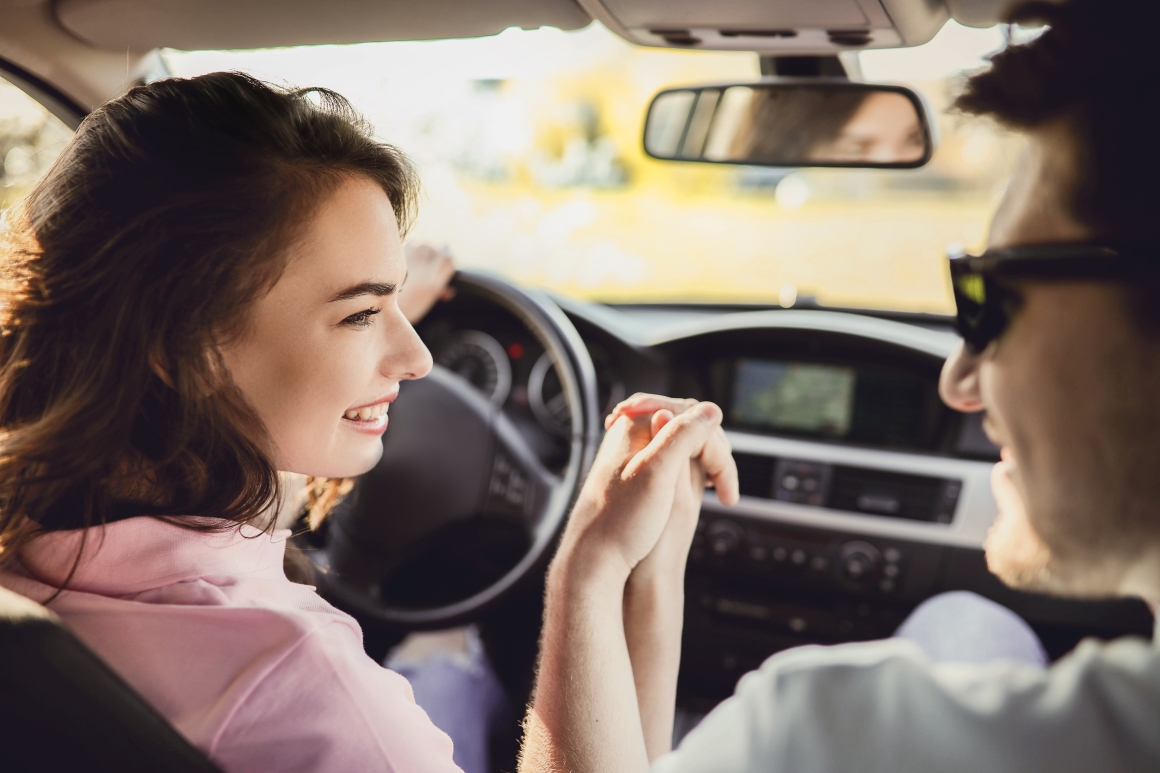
[
  {"x": 546, "y": 398},
  {"x": 481, "y": 360}
]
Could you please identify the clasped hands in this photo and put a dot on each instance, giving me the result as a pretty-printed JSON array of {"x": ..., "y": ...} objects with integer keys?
[
  {"x": 610, "y": 652},
  {"x": 637, "y": 512}
]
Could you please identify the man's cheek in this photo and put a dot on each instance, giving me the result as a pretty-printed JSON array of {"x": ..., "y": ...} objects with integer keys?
[{"x": 1015, "y": 553}]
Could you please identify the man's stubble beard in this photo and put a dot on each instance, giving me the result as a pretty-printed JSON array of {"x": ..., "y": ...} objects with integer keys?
[{"x": 1079, "y": 552}]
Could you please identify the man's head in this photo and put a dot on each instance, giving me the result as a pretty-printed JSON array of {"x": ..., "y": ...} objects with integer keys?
[{"x": 1071, "y": 386}]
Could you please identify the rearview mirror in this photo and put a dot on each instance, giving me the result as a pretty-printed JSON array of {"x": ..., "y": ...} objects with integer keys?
[{"x": 791, "y": 123}]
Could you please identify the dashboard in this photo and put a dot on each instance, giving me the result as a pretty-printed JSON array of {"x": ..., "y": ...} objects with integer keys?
[{"x": 862, "y": 494}]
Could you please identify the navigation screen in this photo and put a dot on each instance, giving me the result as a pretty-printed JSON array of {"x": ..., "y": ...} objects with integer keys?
[{"x": 793, "y": 396}]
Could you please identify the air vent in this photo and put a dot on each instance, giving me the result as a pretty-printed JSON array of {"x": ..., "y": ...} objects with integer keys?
[
  {"x": 851, "y": 489},
  {"x": 914, "y": 497},
  {"x": 755, "y": 474}
]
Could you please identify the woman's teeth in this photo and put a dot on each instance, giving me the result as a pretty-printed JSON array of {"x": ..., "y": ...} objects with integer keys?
[{"x": 370, "y": 413}]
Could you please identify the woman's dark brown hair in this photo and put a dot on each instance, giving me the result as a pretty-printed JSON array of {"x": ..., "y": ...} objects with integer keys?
[{"x": 122, "y": 272}]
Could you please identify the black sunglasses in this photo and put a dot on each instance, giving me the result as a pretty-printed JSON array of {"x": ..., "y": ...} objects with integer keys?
[{"x": 986, "y": 304}]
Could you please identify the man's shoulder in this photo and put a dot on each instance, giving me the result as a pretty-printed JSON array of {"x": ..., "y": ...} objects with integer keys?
[{"x": 882, "y": 706}]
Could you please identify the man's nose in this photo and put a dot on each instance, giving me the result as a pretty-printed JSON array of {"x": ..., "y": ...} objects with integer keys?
[{"x": 958, "y": 385}]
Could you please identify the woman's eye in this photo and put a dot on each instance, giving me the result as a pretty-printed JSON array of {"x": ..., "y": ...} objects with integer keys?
[{"x": 361, "y": 319}]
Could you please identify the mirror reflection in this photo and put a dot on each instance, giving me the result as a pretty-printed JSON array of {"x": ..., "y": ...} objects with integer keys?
[{"x": 824, "y": 124}]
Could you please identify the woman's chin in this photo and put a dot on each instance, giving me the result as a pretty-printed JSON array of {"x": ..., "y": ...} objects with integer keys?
[{"x": 357, "y": 458}]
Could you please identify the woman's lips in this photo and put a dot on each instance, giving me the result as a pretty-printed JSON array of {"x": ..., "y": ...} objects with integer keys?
[
  {"x": 368, "y": 427},
  {"x": 370, "y": 419}
]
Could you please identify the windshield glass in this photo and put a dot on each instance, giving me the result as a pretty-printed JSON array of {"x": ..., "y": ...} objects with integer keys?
[{"x": 529, "y": 148}]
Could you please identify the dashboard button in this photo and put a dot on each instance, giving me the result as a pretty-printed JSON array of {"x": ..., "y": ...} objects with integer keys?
[
  {"x": 857, "y": 561},
  {"x": 724, "y": 537},
  {"x": 802, "y": 482}
]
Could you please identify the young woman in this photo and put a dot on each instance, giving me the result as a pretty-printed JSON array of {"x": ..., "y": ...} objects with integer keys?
[{"x": 202, "y": 292}]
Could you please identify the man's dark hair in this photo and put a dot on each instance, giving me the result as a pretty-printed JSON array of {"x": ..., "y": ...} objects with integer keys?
[{"x": 1096, "y": 69}]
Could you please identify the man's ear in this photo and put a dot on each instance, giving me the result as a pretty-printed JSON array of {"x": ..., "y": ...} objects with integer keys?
[{"x": 157, "y": 365}]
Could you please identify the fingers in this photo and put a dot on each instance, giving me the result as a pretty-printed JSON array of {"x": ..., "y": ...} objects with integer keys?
[
  {"x": 658, "y": 421},
  {"x": 642, "y": 403},
  {"x": 428, "y": 272},
  {"x": 716, "y": 456},
  {"x": 621, "y": 443},
  {"x": 680, "y": 439},
  {"x": 720, "y": 468}
]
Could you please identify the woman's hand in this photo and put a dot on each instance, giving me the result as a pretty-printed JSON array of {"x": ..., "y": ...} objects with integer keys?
[{"x": 428, "y": 272}]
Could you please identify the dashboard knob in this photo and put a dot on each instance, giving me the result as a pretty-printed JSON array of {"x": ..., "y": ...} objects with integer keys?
[
  {"x": 858, "y": 560},
  {"x": 724, "y": 537}
]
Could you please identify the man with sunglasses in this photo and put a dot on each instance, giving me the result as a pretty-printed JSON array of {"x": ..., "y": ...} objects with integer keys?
[{"x": 1060, "y": 320}]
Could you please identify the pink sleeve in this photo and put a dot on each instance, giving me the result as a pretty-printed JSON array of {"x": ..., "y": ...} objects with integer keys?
[{"x": 327, "y": 707}]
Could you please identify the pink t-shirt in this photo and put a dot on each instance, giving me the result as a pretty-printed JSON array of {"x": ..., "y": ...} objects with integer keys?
[{"x": 258, "y": 672}]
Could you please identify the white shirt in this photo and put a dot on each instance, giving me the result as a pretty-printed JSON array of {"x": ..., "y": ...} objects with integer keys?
[{"x": 881, "y": 706}]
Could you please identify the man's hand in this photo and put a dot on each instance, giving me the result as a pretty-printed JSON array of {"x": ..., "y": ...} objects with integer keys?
[{"x": 428, "y": 272}]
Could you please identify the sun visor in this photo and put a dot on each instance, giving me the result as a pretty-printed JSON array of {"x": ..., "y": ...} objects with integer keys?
[
  {"x": 142, "y": 25},
  {"x": 787, "y": 27}
]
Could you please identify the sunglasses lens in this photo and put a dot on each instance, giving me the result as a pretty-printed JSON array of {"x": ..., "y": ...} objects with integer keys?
[
  {"x": 970, "y": 301},
  {"x": 981, "y": 312}
]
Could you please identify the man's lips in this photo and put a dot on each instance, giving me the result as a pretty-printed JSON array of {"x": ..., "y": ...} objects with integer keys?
[{"x": 995, "y": 436}]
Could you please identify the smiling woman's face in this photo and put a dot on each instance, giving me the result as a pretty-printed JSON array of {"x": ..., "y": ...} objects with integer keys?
[{"x": 324, "y": 351}]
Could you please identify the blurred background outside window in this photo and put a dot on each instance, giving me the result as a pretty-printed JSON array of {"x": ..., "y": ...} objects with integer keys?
[
  {"x": 529, "y": 148},
  {"x": 30, "y": 140}
]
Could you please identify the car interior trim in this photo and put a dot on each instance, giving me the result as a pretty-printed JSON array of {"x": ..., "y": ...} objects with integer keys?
[{"x": 973, "y": 514}]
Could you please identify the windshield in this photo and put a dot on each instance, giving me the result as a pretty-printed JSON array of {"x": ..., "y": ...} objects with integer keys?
[{"x": 529, "y": 149}]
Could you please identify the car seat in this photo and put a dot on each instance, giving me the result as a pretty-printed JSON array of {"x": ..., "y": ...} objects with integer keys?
[{"x": 62, "y": 708}]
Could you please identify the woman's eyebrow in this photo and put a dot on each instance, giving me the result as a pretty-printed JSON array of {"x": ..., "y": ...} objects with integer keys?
[{"x": 365, "y": 288}]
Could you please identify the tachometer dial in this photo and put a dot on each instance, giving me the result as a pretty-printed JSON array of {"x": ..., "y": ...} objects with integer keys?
[
  {"x": 480, "y": 359},
  {"x": 546, "y": 398}
]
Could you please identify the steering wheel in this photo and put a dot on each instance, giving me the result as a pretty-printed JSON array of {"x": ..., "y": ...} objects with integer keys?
[{"x": 460, "y": 508}]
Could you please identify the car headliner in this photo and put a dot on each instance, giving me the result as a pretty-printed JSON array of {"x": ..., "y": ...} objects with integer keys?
[{"x": 90, "y": 50}]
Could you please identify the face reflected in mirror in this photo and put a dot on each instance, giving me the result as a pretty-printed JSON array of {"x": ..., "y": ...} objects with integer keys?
[
  {"x": 883, "y": 130},
  {"x": 788, "y": 125}
]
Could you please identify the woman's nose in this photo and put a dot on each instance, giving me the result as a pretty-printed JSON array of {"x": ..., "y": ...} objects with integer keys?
[
  {"x": 958, "y": 386},
  {"x": 409, "y": 358}
]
